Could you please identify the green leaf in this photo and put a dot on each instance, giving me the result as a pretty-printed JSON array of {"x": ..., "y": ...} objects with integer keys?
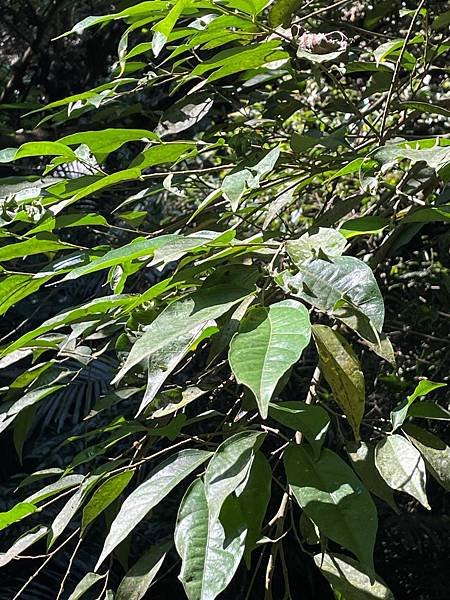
[
  {"x": 37, "y": 245},
  {"x": 323, "y": 283},
  {"x": 349, "y": 580},
  {"x": 139, "y": 578},
  {"x": 310, "y": 245},
  {"x": 102, "y": 143},
  {"x": 210, "y": 550},
  {"x": 162, "y": 480},
  {"x": 270, "y": 340},
  {"x": 22, "y": 544},
  {"x": 435, "y": 452},
  {"x": 28, "y": 399},
  {"x": 425, "y": 107},
  {"x": 104, "y": 496},
  {"x": 14, "y": 288},
  {"x": 88, "y": 581},
  {"x": 254, "y": 495},
  {"x": 363, "y": 226},
  {"x": 340, "y": 367},
  {"x": 229, "y": 467},
  {"x": 168, "y": 152},
  {"x": 362, "y": 456},
  {"x": 163, "y": 28},
  {"x": 31, "y": 149},
  {"x": 17, "y": 513},
  {"x": 402, "y": 467},
  {"x": 281, "y": 12},
  {"x": 98, "y": 305},
  {"x": 400, "y": 412},
  {"x": 429, "y": 410},
  {"x": 183, "y": 316},
  {"x": 54, "y": 488},
  {"x": 312, "y": 420},
  {"x": 429, "y": 214},
  {"x": 334, "y": 499}
]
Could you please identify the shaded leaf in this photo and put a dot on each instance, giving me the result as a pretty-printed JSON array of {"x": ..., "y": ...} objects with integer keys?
[
  {"x": 322, "y": 240},
  {"x": 435, "y": 452},
  {"x": 22, "y": 544},
  {"x": 88, "y": 581},
  {"x": 334, "y": 499},
  {"x": 400, "y": 412},
  {"x": 139, "y": 578},
  {"x": 341, "y": 368}
]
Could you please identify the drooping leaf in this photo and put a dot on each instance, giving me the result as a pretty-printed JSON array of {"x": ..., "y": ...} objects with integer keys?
[
  {"x": 42, "y": 243},
  {"x": 101, "y": 143},
  {"x": 22, "y": 544},
  {"x": 210, "y": 550},
  {"x": 341, "y": 368},
  {"x": 349, "y": 580},
  {"x": 334, "y": 499},
  {"x": 164, "y": 27},
  {"x": 168, "y": 152},
  {"x": 229, "y": 467},
  {"x": 270, "y": 340},
  {"x": 54, "y": 488},
  {"x": 362, "y": 456},
  {"x": 323, "y": 283},
  {"x": 312, "y": 420},
  {"x": 282, "y": 11},
  {"x": 139, "y": 578},
  {"x": 31, "y": 149},
  {"x": 254, "y": 495},
  {"x": 181, "y": 317},
  {"x": 17, "y": 513},
  {"x": 159, "y": 483},
  {"x": 435, "y": 452},
  {"x": 429, "y": 410},
  {"x": 402, "y": 467},
  {"x": 104, "y": 496}
]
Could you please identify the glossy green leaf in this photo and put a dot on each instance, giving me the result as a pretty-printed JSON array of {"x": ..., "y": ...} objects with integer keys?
[
  {"x": 40, "y": 244},
  {"x": 210, "y": 550},
  {"x": 229, "y": 467},
  {"x": 101, "y": 143},
  {"x": 32, "y": 149},
  {"x": 334, "y": 499},
  {"x": 88, "y": 581},
  {"x": 254, "y": 494},
  {"x": 98, "y": 305},
  {"x": 183, "y": 316},
  {"x": 435, "y": 452},
  {"x": 162, "y": 480},
  {"x": 349, "y": 580},
  {"x": 310, "y": 419},
  {"x": 362, "y": 456},
  {"x": 323, "y": 283},
  {"x": 168, "y": 152},
  {"x": 400, "y": 412},
  {"x": 139, "y": 578},
  {"x": 340, "y": 367},
  {"x": 163, "y": 28},
  {"x": 270, "y": 340},
  {"x": 363, "y": 226},
  {"x": 402, "y": 467},
  {"x": 104, "y": 496},
  {"x": 429, "y": 410},
  {"x": 17, "y": 513},
  {"x": 321, "y": 241}
]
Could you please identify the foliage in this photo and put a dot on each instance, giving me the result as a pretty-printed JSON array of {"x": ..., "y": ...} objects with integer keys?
[{"x": 192, "y": 270}]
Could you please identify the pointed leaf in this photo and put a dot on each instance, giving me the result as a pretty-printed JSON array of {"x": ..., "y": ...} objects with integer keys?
[
  {"x": 162, "y": 480},
  {"x": 22, "y": 544},
  {"x": 341, "y": 368},
  {"x": 400, "y": 412},
  {"x": 16, "y": 513},
  {"x": 210, "y": 550},
  {"x": 334, "y": 499},
  {"x": 270, "y": 340},
  {"x": 88, "y": 581},
  {"x": 402, "y": 467}
]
